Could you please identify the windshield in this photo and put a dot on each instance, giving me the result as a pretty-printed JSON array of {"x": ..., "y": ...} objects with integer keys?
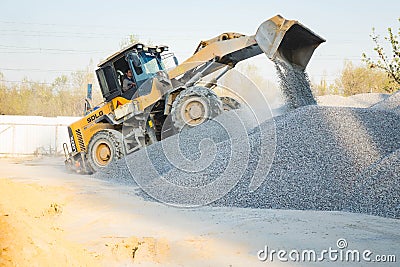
[
  {"x": 169, "y": 61},
  {"x": 151, "y": 64},
  {"x": 145, "y": 65}
]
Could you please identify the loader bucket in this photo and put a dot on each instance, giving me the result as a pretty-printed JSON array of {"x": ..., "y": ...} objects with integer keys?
[{"x": 287, "y": 40}]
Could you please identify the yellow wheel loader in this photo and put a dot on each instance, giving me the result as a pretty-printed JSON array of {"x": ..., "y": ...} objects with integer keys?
[{"x": 163, "y": 101}]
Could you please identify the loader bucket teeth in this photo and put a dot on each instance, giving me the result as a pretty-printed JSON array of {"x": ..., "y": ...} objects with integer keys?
[{"x": 287, "y": 40}]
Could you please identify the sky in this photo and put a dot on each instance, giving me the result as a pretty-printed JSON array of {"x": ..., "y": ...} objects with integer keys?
[{"x": 41, "y": 40}]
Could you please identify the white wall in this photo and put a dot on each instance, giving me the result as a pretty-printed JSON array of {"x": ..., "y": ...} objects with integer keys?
[{"x": 30, "y": 135}]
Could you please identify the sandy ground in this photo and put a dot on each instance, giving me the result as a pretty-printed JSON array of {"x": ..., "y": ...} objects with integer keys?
[{"x": 51, "y": 218}]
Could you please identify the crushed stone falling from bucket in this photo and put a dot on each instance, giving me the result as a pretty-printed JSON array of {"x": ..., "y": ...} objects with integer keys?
[{"x": 295, "y": 85}]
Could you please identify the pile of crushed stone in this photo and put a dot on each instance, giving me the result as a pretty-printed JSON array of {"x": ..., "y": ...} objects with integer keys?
[
  {"x": 391, "y": 103},
  {"x": 356, "y": 101},
  {"x": 315, "y": 157}
]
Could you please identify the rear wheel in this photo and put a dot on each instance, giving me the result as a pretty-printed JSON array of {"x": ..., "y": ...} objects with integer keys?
[
  {"x": 194, "y": 106},
  {"x": 105, "y": 147}
]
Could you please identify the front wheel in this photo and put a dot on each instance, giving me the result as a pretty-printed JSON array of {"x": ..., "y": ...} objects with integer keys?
[
  {"x": 194, "y": 106},
  {"x": 105, "y": 147}
]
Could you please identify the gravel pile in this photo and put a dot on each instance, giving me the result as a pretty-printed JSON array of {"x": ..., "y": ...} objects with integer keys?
[
  {"x": 356, "y": 101},
  {"x": 321, "y": 163},
  {"x": 315, "y": 157},
  {"x": 391, "y": 103},
  {"x": 194, "y": 158},
  {"x": 379, "y": 188},
  {"x": 188, "y": 145}
]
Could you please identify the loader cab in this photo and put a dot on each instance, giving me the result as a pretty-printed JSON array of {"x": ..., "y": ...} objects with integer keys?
[
  {"x": 143, "y": 61},
  {"x": 144, "y": 65}
]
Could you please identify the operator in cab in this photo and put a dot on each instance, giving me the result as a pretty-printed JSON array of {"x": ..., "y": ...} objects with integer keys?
[
  {"x": 128, "y": 85},
  {"x": 128, "y": 82}
]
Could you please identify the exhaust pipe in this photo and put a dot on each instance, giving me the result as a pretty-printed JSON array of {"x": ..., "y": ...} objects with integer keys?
[{"x": 288, "y": 41}]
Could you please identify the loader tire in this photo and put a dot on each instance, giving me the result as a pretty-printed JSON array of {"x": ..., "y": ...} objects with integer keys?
[
  {"x": 105, "y": 147},
  {"x": 194, "y": 106}
]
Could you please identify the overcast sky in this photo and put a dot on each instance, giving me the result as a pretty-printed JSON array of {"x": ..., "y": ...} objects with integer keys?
[{"x": 41, "y": 40}]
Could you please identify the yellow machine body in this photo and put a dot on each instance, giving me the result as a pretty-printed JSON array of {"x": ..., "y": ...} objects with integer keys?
[{"x": 278, "y": 38}]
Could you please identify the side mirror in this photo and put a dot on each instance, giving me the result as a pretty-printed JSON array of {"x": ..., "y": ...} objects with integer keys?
[{"x": 176, "y": 61}]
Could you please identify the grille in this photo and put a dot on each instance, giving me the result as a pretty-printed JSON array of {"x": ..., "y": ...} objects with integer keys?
[{"x": 80, "y": 139}]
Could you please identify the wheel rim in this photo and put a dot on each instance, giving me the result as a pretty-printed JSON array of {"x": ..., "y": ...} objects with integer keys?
[
  {"x": 102, "y": 154},
  {"x": 194, "y": 111}
]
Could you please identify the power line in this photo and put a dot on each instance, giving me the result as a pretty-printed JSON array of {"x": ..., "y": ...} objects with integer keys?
[
  {"x": 39, "y": 70},
  {"x": 32, "y": 82},
  {"x": 59, "y": 32},
  {"x": 45, "y": 83},
  {"x": 158, "y": 27},
  {"x": 51, "y": 49},
  {"x": 57, "y": 25}
]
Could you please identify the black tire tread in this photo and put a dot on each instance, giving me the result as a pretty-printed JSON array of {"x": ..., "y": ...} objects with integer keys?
[
  {"x": 115, "y": 137},
  {"x": 212, "y": 99}
]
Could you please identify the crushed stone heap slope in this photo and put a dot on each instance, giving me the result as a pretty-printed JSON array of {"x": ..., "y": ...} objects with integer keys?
[{"x": 315, "y": 157}]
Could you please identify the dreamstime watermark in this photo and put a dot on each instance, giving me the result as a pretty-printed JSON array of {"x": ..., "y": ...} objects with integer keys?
[{"x": 341, "y": 253}]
